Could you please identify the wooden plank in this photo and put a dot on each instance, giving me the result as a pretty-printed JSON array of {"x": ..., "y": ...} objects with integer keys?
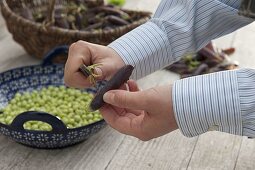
[
  {"x": 2, "y": 22},
  {"x": 172, "y": 151},
  {"x": 94, "y": 153},
  {"x": 215, "y": 150},
  {"x": 3, "y": 28},
  {"x": 161, "y": 77},
  {"x": 11, "y": 153},
  {"x": 243, "y": 42},
  {"x": 246, "y": 156}
]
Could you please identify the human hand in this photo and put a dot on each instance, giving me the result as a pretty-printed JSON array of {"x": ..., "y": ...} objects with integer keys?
[
  {"x": 143, "y": 114},
  {"x": 86, "y": 53}
]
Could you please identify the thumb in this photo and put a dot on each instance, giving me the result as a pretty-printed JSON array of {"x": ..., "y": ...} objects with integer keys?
[
  {"x": 126, "y": 99},
  {"x": 104, "y": 70}
]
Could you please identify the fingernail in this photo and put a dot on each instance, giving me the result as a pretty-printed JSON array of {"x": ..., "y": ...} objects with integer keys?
[
  {"x": 108, "y": 97},
  {"x": 99, "y": 72}
]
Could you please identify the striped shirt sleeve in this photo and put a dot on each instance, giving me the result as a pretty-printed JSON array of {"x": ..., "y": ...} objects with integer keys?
[
  {"x": 177, "y": 28},
  {"x": 223, "y": 101}
]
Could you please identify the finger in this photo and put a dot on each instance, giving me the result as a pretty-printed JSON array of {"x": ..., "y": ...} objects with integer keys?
[
  {"x": 134, "y": 112},
  {"x": 78, "y": 54},
  {"x": 132, "y": 86},
  {"x": 105, "y": 71},
  {"x": 124, "y": 124},
  {"x": 125, "y": 99},
  {"x": 105, "y": 55},
  {"x": 124, "y": 87},
  {"x": 119, "y": 111},
  {"x": 117, "y": 122},
  {"x": 78, "y": 81},
  {"x": 122, "y": 112}
]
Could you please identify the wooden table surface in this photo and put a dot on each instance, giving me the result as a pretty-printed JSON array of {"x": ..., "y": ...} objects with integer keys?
[{"x": 110, "y": 150}]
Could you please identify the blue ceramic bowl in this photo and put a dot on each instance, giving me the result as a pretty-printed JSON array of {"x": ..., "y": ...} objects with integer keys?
[{"x": 34, "y": 78}]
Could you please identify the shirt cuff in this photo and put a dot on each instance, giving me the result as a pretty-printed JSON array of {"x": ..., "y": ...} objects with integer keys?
[
  {"x": 246, "y": 86},
  {"x": 142, "y": 47},
  {"x": 208, "y": 102}
]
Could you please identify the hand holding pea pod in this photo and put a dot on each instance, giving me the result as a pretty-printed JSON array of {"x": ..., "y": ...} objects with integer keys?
[
  {"x": 137, "y": 113},
  {"x": 107, "y": 61}
]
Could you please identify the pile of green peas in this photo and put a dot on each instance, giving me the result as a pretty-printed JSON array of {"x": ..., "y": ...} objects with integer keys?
[{"x": 69, "y": 105}]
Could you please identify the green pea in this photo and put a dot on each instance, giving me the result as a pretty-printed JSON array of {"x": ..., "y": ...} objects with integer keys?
[
  {"x": 18, "y": 95},
  {"x": 65, "y": 120},
  {"x": 85, "y": 122},
  {"x": 72, "y": 121},
  {"x": 62, "y": 88},
  {"x": 79, "y": 111},
  {"x": 12, "y": 114},
  {"x": 96, "y": 119},
  {"x": 35, "y": 126},
  {"x": 51, "y": 88},
  {"x": 13, "y": 101},
  {"x": 96, "y": 115},
  {"x": 2, "y": 120},
  {"x": 77, "y": 118},
  {"x": 65, "y": 111},
  {"x": 70, "y": 126},
  {"x": 90, "y": 121},
  {"x": 60, "y": 95},
  {"x": 89, "y": 116}
]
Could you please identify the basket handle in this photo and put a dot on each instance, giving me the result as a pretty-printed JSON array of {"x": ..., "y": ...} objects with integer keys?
[
  {"x": 48, "y": 58},
  {"x": 56, "y": 124}
]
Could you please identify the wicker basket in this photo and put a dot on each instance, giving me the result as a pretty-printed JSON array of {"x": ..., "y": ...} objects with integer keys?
[{"x": 37, "y": 40}]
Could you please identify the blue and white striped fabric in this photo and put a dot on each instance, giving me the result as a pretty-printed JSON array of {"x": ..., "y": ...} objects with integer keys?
[
  {"x": 206, "y": 101},
  {"x": 222, "y": 100}
]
